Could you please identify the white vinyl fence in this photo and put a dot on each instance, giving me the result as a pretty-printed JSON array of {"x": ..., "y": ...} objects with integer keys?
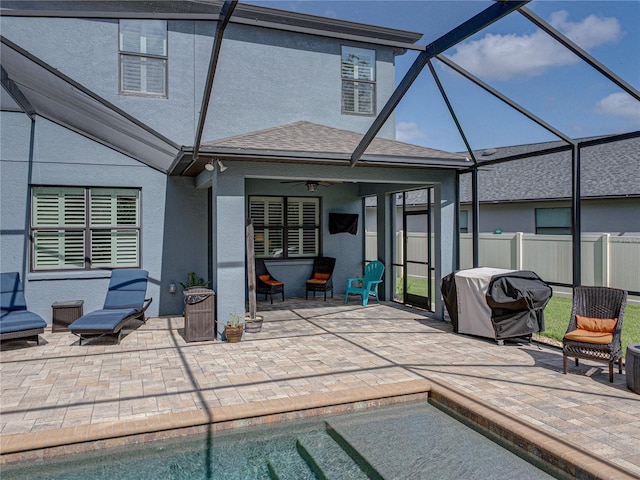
[{"x": 607, "y": 260}]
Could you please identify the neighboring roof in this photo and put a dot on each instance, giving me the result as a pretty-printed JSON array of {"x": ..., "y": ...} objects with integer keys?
[
  {"x": 607, "y": 170},
  {"x": 314, "y": 143},
  {"x": 46, "y": 92},
  {"x": 208, "y": 10}
]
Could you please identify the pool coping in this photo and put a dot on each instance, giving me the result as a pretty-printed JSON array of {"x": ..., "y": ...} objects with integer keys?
[{"x": 555, "y": 455}]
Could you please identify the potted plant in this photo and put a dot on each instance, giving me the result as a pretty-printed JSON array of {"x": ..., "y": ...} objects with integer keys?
[
  {"x": 233, "y": 330},
  {"x": 253, "y": 325},
  {"x": 193, "y": 281}
]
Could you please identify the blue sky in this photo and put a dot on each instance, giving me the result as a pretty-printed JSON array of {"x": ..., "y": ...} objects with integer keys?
[{"x": 514, "y": 57}]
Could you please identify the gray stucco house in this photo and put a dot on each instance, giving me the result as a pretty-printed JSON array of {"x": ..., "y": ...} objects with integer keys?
[{"x": 101, "y": 167}]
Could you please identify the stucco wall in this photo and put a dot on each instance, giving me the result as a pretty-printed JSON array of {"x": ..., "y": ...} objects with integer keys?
[
  {"x": 173, "y": 216},
  {"x": 265, "y": 78}
]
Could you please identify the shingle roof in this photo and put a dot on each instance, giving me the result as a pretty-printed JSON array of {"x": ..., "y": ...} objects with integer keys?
[
  {"x": 307, "y": 137},
  {"x": 607, "y": 170}
]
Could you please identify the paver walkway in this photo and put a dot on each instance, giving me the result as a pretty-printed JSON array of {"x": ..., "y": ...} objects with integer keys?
[{"x": 310, "y": 347}]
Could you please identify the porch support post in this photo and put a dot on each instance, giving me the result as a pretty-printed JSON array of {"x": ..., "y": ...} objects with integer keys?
[
  {"x": 385, "y": 228},
  {"x": 228, "y": 211},
  {"x": 445, "y": 212},
  {"x": 475, "y": 214}
]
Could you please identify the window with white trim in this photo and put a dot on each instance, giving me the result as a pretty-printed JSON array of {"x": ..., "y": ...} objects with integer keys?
[
  {"x": 143, "y": 57},
  {"x": 358, "y": 71},
  {"x": 77, "y": 228},
  {"x": 285, "y": 227},
  {"x": 553, "y": 221}
]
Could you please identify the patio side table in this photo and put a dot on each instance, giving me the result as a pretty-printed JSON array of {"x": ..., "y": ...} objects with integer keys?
[
  {"x": 65, "y": 313},
  {"x": 632, "y": 367}
]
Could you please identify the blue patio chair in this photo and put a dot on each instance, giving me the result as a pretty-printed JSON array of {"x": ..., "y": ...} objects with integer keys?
[
  {"x": 124, "y": 302},
  {"x": 366, "y": 286},
  {"x": 15, "y": 320}
]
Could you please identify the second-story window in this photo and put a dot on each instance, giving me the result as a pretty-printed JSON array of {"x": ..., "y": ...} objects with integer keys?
[
  {"x": 143, "y": 57},
  {"x": 358, "y": 81}
]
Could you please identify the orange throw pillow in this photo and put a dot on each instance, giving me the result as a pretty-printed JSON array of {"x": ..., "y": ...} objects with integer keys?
[
  {"x": 264, "y": 278},
  {"x": 604, "y": 325},
  {"x": 321, "y": 276}
]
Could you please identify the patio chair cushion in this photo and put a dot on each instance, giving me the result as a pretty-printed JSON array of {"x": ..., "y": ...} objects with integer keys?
[
  {"x": 264, "y": 278},
  {"x": 127, "y": 289},
  {"x": 605, "y": 325},
  {"x": 102, "y": 320},
  {"x": 323, "y": 277},
  {"x": 16, "y": 321},
  {"x": 273, "y": 283},
  {"x": 589, "y": 336}
]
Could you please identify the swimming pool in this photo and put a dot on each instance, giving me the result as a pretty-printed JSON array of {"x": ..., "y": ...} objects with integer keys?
[{"x": 406, "y": 441}]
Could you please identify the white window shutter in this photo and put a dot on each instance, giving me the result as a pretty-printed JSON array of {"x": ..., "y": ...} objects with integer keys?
[
  {"x": 58, "y": 249},
  {"x": 53, "y": 207}
]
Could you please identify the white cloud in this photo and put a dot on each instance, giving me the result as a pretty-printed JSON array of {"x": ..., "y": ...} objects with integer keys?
[
  {"x": 502, "y": 57},
  {"x": 408, "y": 131},
  {"x": 620, "y": 105}
]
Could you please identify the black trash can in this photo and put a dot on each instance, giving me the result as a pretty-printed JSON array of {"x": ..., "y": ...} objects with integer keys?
[{"x": 199, "y": 314}]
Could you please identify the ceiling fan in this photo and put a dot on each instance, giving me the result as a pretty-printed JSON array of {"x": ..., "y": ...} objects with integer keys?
[{"x": 312, "y": 185}]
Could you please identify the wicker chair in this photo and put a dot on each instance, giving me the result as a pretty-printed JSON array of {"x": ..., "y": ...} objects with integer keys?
[
  {"x": 265, "y": 283},
  {"x": 592, "y": 332},
  {"x": 321, "y": 279}
]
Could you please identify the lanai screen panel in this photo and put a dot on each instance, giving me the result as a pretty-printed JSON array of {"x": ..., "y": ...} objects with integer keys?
[{"x": 62, "y": 101}]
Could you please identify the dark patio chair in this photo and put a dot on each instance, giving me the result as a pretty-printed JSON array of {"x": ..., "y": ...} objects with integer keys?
[
  {"x": 15, "y": 320},
  {"x": 265, "y": 283},
  {"x": 595, "y": 326},
  {"x": 321, "y": 279},
  {"x": 124, "y": 302}
]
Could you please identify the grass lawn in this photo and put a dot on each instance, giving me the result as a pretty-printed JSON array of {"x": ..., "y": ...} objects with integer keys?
[{"x": 558, "y": 311}]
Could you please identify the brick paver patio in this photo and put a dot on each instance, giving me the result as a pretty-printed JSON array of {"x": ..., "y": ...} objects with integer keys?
[{"x": 308, "y": 347}]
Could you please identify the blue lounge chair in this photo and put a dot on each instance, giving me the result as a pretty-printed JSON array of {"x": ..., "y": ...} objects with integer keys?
[
  {"x": 366, "y": 286},
  {"x": 15, "y": 320},
  {"x": 125, "y": 301}
]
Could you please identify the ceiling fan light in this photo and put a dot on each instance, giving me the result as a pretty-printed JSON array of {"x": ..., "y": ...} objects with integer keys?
[{"x": 312, "y": 187}]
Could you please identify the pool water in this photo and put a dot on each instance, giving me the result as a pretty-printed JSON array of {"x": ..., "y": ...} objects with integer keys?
[{"x": 406, "y": 441}]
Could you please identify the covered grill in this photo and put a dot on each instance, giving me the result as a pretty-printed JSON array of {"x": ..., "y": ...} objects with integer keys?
[{"x": 496, "y": 303}]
